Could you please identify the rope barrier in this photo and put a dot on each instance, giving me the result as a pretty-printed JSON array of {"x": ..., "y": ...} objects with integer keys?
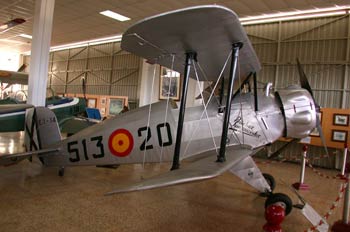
[
  {"x": 332, "y": 208},
  {"x": 324, "y": 175},
  {"x": 295, "y": 158}
]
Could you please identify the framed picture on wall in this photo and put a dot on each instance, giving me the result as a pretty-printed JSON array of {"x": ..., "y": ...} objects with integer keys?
[
  {"x": 103, "y": 101},
  {"x": 169, "y": 84},
  {"x": 339, "y": 136},
  {"x": 340, "y": 119},
  {"x": 116, "y": 105},
  {"x": 91, "y": 103}
]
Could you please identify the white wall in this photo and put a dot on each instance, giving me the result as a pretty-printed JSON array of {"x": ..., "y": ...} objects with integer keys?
[
  {"x": 146, "y": 96},
  {"x": 9, "y": 61}
]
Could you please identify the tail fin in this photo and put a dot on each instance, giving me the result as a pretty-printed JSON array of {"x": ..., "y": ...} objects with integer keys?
[{"x": 41, "y": 128}]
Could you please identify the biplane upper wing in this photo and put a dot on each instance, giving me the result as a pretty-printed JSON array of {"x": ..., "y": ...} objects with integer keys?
[
  {"x": 203, "y": 167},
  {"x": 208, "y": 30},
  {"x": 11, "y": 77}
]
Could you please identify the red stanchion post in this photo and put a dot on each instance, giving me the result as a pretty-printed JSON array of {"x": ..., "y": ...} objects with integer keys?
[
  {"x": 344, "y": 159},
  {"x": 344, "y": 225},
  {"x": 274, "y": 215},
  {"x": 301, "y": 185}
]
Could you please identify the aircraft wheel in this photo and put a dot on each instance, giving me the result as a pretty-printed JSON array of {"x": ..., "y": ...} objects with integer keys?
[
  {"x": 270, "y": 180},
  {"x": 61, "y": 171},
  {"x": 280, "y": 199}
]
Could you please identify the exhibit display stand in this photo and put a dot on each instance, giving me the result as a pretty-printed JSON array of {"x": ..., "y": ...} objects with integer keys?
[{"x": 301, "y": 185}]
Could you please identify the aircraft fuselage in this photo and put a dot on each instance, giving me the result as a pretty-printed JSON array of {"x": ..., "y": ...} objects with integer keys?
[{"x": 134, "y": 138}]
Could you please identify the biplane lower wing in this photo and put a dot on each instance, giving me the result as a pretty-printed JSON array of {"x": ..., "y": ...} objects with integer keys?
[{"x": 203, "y": 167}]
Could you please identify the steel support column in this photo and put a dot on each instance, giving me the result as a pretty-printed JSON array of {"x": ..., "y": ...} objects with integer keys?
[
  {"x": 38, "y": 70},
  {"x": 190, "y": 56},
  {"x": 233, "y": 69}
]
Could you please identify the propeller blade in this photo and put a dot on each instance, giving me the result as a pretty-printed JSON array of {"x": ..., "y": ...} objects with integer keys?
[
  {"x": 305, "y": 84},
  {"x": 303, "y": 79}
]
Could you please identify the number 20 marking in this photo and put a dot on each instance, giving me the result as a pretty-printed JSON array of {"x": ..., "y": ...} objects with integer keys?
[{"x": 146, "y": 146}]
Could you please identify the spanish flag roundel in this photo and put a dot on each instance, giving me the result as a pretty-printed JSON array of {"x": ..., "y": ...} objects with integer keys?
[{"x": 121, "y": 143}]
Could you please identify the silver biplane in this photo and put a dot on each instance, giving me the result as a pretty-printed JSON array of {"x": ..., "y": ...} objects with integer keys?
[{"x": 206, "y": 43}]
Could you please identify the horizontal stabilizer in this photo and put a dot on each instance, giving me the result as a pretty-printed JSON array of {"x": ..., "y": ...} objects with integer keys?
[
  {"x": 203, "y": 168},
  {"x": 14, "y": 158}
]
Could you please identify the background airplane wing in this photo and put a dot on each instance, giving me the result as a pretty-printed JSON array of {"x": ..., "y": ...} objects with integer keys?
[
  {"x": 203, "y": 167},
  {"x": 11, "y": 77}
]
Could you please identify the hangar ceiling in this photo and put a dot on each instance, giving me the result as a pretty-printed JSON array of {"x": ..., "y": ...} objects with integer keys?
[{"x": 79, "y": 20}]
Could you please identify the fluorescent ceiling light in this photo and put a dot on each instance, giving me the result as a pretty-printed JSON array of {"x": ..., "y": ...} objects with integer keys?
[
  {"x": 114, "y": 15},
  {"x": 26, "y": 36},
  {"x": 109, "y": 39},
  {"x": 292, "y": 15}
]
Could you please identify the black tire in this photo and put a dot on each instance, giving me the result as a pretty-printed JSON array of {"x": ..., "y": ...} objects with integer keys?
[
  {"x": 280, "y": 197},
  {"x": 270, "y": 180}
]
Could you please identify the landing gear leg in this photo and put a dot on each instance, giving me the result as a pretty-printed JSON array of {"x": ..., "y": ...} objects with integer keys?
[
  {"x": 61, "y": 171},
  {"x": 270, "y": 180},
  {"x": 272, "y": 183}
]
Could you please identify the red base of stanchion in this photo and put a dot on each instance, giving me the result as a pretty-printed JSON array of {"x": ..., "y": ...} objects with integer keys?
[
  {"x": 272, "y": 228},
  {"x": 340, "y": 226},
  {"x": 343, "y": 177},
  {"x": 301, "y": 186}
]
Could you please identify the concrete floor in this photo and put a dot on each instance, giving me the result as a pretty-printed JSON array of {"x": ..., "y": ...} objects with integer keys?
[{"x": 34, "y": 198}]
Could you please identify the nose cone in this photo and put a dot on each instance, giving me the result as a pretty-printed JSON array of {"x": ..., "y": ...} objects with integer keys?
[{"x": 300, "y": 112}]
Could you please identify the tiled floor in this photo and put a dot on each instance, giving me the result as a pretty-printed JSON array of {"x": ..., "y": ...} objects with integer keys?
[{"x": 34, "y": 198}]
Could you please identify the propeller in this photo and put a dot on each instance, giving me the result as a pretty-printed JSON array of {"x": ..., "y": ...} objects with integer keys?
[{"x": 305, "y": 85}]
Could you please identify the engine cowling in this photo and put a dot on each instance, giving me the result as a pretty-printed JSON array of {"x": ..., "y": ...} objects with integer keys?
[{"x": 299, "y": 112}]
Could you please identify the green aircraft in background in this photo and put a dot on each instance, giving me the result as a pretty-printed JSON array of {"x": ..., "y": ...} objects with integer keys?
[{"x": 66, "y": 109}]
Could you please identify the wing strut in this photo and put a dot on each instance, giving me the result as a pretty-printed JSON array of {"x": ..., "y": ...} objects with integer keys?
[
  {"x": 233, "y": 69},
  {"x": 256, "y": 106},
  {"x": 190, "y": 57}
]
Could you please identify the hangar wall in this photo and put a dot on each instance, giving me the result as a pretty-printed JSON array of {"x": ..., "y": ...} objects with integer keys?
[
  {"x": 323, "y": 47},
  {"x": 321, "y": 44},
  {"x": 107, "y": 69}
]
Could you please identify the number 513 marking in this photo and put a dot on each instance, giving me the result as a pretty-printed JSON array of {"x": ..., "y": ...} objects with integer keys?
[{"x": 75, "y": 153}]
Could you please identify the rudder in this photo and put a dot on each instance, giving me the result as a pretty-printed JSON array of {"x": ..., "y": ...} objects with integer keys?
[{"x": 41, "y": 128}]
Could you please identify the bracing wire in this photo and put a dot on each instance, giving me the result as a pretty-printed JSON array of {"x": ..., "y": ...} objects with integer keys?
[
  {"x": 210, "y": 97},
  {"x": 167, "y": 103},
  {"x": 149, "y": 117},
  {"x": 205, "y": 107},
  {"x": 240, "y": 99}
]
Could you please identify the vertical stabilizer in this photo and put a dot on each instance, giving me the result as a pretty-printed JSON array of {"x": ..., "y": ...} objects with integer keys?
[{"x": 41, "y": 128}]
